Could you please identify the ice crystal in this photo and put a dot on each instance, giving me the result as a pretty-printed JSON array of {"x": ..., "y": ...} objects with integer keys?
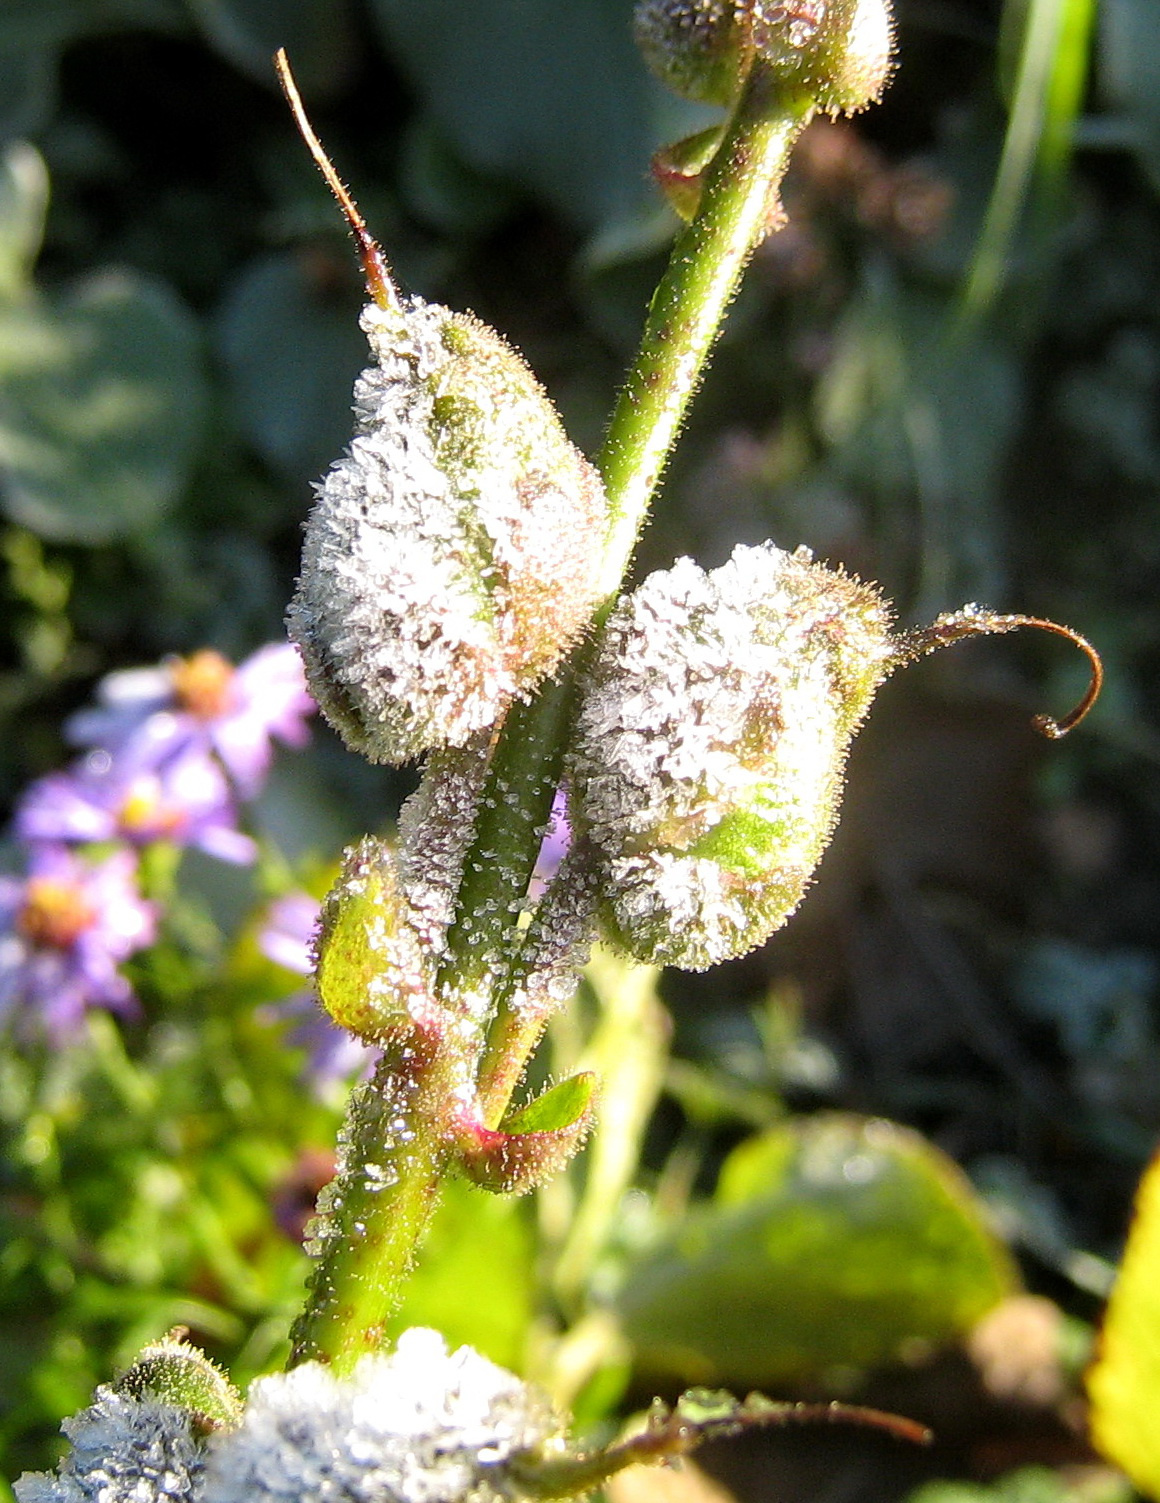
[
  {"x": 423, "y": 1425},
  {"x": 124, "y": 1450}
]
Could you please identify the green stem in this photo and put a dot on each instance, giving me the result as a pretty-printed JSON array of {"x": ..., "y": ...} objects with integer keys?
[
  {"x": 371, "y": 1228},
  {"x": 738, "y": 204},
  {"x": 738, "y": 201},
  {"x": 393, "y": 1156}
]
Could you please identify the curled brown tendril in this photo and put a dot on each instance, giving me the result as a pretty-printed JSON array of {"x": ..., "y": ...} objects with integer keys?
[
  {"x": 378, "y": 278},
  {"x": 974, "y": 621}
]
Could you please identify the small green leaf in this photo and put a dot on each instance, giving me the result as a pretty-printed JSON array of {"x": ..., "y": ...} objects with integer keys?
[
  {"x": 101, "y": 405},
  {"x": 173, "y": 1372},
  {"x": 1124, "y": 1383},
  {"x": 533, "y": 1143},
  {"x": 833, "y": 1244},
  {"x": 561, "y": 1107}
]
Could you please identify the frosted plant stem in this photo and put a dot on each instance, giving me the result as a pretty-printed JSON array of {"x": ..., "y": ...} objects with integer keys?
[
  {"x": 739, "y": 201},
  {"x": 372, "y": 1216},
  {"x": 370, "y": 1229}
]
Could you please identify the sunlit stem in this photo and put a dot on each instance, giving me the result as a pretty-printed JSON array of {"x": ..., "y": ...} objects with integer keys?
[
  {"x": 739, "y": 204},
  {"x": 374, "y": 1214},
  {"x": 378, "y": 278},
  {"x": 971, "y": 621}
]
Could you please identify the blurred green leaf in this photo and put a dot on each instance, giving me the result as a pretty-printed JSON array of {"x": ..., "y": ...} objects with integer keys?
[
  {"x": 553, "y": 98},
  {"x": 27, "y": 88},
  {"x": 317, "y": 36},
  {"x": 474, "y": 1281},
  {"x": 101, "y": 402},
  {"x": 833, "y": 1244},
  {"x": 292, "y": 346},
  {"x": 1032, "y": 1484},
  {"x": 1130, "y": 73},
  {"x": 1124, "y": 1383},
  {"x": 912, "y": 412},
  {"x": 23, "y": 202},
  {"x": 1046, "y": 94}
]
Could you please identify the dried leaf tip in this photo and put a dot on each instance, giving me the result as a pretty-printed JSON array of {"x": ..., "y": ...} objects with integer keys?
[
  {"x": 975, "y": 621},
  {"x": 378, "y": 278}
]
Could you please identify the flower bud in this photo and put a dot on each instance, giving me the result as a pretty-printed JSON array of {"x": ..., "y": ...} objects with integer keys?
[
  {"x": 697, "y": 47},
  {"x": 452, "y": 555},
  {"x": 709, "y": 751},
  {"x": 171, "y": 1371},
  {"x": 707, "y": 765},
  {"x": 836, "y": 51}
]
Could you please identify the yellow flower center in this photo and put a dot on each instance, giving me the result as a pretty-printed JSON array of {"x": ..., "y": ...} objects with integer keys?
[
  {"x": 55, "y": 913},
  {"x": 204, "y": 684},
  {"x": 142, "y": 811}
]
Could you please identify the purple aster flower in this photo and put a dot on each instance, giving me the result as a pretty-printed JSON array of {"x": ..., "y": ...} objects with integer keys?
[
  {"x": 187, "y": 800},
  {"x": 553, "y": 847},
  {"x": 333, "y": 1056},
  {"x": 147, "y": 715},
  {"x": 64, "y": 929}
]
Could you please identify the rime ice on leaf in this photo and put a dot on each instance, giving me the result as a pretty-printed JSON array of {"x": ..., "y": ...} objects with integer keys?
[
  {"x": 709, "y": 752},
  {"x": 452, "y": 553}
]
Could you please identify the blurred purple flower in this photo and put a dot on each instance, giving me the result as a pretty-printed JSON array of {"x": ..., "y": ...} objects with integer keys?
[
  {"x": 187, "y": 801},
  {"x": 334, "y": 1057},
  {"x": 64, "y": 929},
  {"x": 145, "y": 716},
  {"x": 553, "y": 847},
  {"x": 287, "y": 937}
]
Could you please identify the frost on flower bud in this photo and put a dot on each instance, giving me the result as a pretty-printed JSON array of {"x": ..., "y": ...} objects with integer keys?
[
  {"x": 452, "y": 555},
  {"x": 697, "y": 47},
  {"x": 707, "y": 765},
  {"x": 708, "y": 758},
  {"x": 836, "y": 51},
  {"x": 171, "y": 1371}
]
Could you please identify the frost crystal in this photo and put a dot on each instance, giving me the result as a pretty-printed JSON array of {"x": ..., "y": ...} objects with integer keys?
[
  {"x": 422, "y": 1426},
  {"x": 125, "y": 1450},
  {"x": 710, "y": 745},
  {"x": 451, "y": 557}
]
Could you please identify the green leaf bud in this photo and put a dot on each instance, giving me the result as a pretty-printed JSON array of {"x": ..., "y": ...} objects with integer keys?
[
  {"x": 710, "y": 745},
  {"x": 452, "y": 555},
  {"x": 697, "y": 47},
  {"x": 171, "y": 1371},
  {"x": 531, "y": 1144},
  {"x": 837, "y": 52},
  {"x": 369, "y": 972}
]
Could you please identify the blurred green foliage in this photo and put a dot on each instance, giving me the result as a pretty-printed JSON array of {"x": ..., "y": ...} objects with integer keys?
[{"x": 945, "y": 372}]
